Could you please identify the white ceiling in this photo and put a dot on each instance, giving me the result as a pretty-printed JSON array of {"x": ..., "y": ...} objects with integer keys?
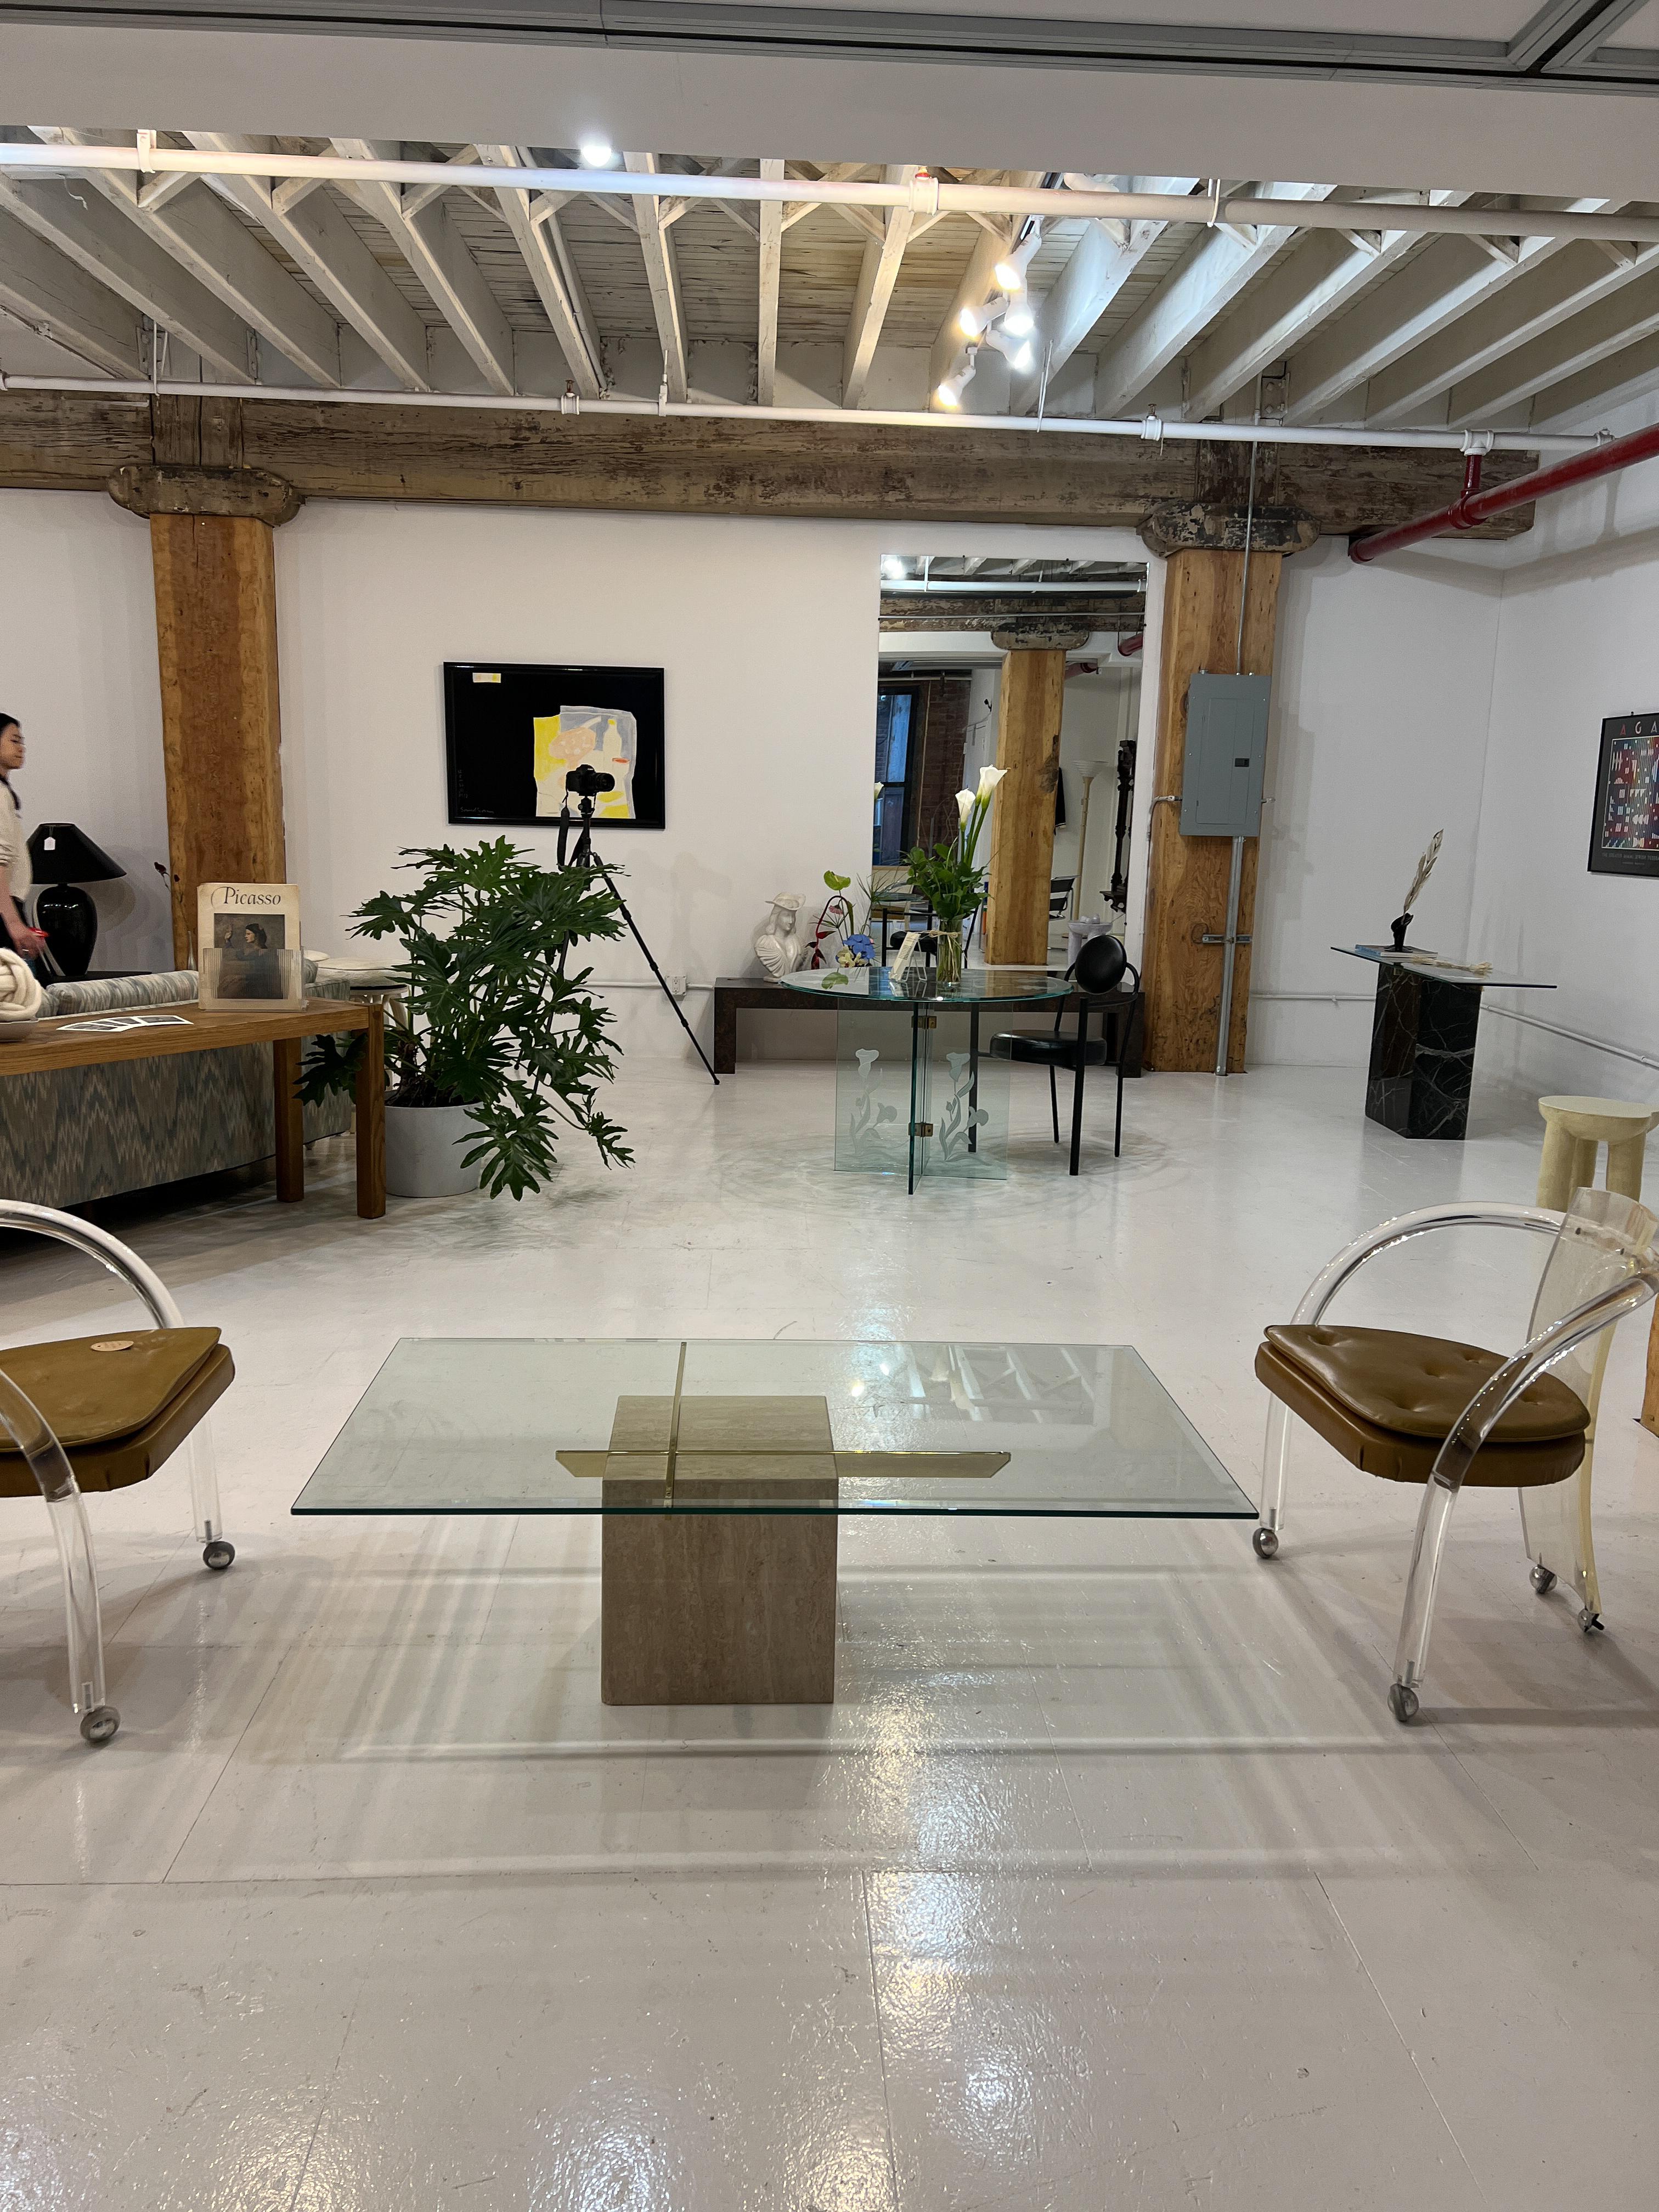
[{"x": 988, "y": 91}]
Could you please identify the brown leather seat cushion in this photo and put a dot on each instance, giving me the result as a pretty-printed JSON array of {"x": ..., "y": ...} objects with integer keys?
[
  {"x": 119, "y": 1411},
  {"x": 1386, "y": 1400}
]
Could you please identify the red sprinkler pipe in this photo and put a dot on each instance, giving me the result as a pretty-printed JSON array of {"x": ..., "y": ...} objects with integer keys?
[{"x": 1474, "y": 506}]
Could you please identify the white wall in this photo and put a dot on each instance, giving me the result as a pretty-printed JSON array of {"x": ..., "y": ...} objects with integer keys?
[
  {"x": 767, "y": 632},
  {"x": 1578, "y": 640},
  {"x": 78, "y": 669},
  {"x": 1382, "y": 682}
]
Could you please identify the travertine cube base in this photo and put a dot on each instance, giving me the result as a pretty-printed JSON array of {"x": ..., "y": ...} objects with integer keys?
[{"x": 721, "y": 1608}]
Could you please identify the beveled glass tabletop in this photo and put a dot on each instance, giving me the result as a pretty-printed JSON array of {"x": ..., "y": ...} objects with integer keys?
[
  {"x": 920, "y": 987},
  {"x": 539, "y": 1425},
  {"x": 1417, "y": 961}
]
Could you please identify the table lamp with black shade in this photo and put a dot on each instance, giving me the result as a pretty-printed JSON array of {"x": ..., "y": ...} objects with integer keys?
[{"x": 63, "y": 858}]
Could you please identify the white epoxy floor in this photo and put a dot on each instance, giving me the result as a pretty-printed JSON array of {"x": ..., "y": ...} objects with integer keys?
[{"x": 1109, "y": 1882}]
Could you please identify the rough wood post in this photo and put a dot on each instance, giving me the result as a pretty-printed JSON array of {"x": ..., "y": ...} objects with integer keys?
[
  {"x": 213, "y": 551},
  {"x": 1023, "y": 815},
  {"x": 1188, "y": 877}
]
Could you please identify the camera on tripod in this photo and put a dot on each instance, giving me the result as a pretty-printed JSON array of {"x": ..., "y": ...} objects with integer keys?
[{"x": 588, "y": 782}]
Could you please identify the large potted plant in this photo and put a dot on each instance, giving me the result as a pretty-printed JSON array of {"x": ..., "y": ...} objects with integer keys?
[
  {"x": 497, "y": 1043},
  {"x": 949, "y": 876}
]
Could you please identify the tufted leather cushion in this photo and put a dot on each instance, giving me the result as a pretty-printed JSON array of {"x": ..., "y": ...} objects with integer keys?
[
  {"x": 1418, "y": 1385},
  {"x": 1388, "y": 1401}
]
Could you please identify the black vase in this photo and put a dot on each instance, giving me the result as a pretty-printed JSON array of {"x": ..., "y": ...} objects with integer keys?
[
  {"x": 70, "y": 921},
  {"x": 1400, "y": 925}
]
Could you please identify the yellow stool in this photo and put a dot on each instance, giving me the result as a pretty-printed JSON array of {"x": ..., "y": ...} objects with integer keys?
[{"x": 1573, "y": 1128}]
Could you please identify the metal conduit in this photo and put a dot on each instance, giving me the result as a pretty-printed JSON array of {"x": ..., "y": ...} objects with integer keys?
[
  {"x": 1150, "y": 428},
  {"x": 924, "y": 194}
]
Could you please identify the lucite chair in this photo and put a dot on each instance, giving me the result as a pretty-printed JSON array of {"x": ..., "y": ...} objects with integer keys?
[
  {"x": 122, "y": 1425},
  {"x": 1097, "y": 976},
  {"x": 1394, "y": 1404}
]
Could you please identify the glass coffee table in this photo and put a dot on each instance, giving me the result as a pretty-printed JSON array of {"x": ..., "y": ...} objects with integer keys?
[
  {"x": 722, "y": 1469},
  {"x": 915, "y": 1092}
]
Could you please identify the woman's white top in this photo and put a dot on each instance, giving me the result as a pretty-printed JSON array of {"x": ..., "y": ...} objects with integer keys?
[{"x": 15, "y": 868}]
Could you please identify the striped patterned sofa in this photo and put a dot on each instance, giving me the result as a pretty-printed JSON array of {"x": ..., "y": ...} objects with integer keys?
[{"x": 92, "y": 1132}]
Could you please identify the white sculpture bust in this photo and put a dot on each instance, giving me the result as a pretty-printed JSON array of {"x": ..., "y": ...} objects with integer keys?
[{"x": 777, "y": 944}]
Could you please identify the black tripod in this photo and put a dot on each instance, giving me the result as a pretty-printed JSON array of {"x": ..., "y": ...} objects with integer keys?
[{"x": 582, "y": 855}]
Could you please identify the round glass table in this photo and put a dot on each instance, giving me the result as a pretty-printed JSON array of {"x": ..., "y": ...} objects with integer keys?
[{"x": 942, "y": 1108}]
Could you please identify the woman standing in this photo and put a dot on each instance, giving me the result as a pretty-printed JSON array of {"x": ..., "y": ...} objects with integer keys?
[{"x": 16, "y": 878}]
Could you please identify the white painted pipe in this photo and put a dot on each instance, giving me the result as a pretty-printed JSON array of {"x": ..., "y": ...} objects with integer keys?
[
  {"x": 1150, "y": 428},
  {"x": 927, "y": 195}
]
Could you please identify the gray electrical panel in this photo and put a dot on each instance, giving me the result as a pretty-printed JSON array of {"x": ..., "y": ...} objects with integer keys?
[{"x": 1226, "y": 752}]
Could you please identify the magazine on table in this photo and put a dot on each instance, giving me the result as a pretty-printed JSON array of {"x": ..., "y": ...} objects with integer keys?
[
  {"x": 249, "y": 939},
  {"x": 112, "y": 1024}
]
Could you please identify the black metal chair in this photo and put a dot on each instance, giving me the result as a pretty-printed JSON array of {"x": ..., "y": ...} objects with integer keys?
[{"x": 1097, "y": 975}]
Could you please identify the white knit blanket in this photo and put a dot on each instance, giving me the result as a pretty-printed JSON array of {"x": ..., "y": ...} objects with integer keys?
[{"x": 20, "y": 996}]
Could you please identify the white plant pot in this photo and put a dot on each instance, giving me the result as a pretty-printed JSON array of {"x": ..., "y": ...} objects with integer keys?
[{"x": 423, "y": 1151}]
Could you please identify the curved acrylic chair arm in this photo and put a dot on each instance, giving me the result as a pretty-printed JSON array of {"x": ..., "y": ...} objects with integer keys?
[
  {"x": 23, "y": 1418},
  {"x": 1347, "y": 1262},
  {"x": 1493, "y": 1400},
  {"x": 98, "y": 1244}
]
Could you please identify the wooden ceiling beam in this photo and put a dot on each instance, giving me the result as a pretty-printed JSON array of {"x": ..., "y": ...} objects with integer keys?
[
  {"x": 849, "y": 468},
  {"x": 877, "y": 273},
  {"x": 663, "y": 276}
]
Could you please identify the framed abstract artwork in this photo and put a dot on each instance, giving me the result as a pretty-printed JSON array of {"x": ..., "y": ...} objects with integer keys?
[
  {"x": 514, "y": 730},
  {"x": 1625, "y": 834}
]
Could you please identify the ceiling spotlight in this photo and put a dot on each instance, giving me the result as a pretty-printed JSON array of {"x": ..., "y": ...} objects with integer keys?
[
  {"x": 973, "y": 322},
  {"x": 1010, "y": 272},
  {"x": 597, "y": 153},
  {"x": 949, "y": 392},
  {"x": 1023, "y": 360},
  {"x": 1019, "y": 322},
  {"x": 892, "y": 567}
]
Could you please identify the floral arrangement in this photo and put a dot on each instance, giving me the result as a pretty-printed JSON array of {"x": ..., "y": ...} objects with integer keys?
[{"x": 949, "y": 876}]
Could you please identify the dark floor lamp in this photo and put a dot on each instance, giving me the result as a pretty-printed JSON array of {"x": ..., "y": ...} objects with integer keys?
[{"x": 63, "y": 857}]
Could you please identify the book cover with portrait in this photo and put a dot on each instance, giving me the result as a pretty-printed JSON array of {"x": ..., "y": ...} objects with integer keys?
[{"x": 249, "y": 940}]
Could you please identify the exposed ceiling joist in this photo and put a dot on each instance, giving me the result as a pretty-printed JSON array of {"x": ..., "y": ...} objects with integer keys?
[
  {"x": 451, "y": 278},
  {"x": 1103, "y": 259},
  {"x": 1551, "y": 292},
  {"x": 662, "y": 274},
  {"x": 1323, "y": 274},
  {"x": 877, "y": 273},
  {"x": 1440, "y": 283},
  {"x": 59, "y": 301},
  {"x": 771, "y": 267},
  {"x": 318, "y": 238},
  {"x": 541, "y": 242},
  {"x": 1633, "y": 372},
  {"x": 1599, "y": 333},
  {"x": 1213, "y": 272},
  {"x": 203, "y": 236},
  {"x": 97, "y": 240}
]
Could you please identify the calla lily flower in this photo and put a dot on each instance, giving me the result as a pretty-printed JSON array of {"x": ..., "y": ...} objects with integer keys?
[
  {"x": 989, "y": 778},
  {"x": 964, "y": 806}
]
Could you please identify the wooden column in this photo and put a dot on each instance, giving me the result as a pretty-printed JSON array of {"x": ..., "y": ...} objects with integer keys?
[
  {"x": 1023, "y": 817},
  {"x": 1186, "y": 877},
  {"x": 212, "y": 548}
]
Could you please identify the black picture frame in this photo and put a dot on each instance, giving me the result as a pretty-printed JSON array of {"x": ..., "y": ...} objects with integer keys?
[
  {"x": 489, "y": 707},
  {"x": 1625, "y": 829}
]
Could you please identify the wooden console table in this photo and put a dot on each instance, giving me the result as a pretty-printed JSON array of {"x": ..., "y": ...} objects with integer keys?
[
  {"x": 57, "y": 1043},
  {"x": 734, "y": 992}
]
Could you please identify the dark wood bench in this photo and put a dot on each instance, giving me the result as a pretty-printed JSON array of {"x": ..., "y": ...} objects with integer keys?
[{"x": 732, "y": 994}]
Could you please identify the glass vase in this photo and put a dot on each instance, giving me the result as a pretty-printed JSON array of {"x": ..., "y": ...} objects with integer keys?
[{"x": 950, "y": 953}]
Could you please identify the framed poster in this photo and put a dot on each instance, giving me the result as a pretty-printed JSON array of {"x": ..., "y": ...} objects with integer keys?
[
  {"x": 514, "y": 730},
  {"x": 1624, "y": 836}
]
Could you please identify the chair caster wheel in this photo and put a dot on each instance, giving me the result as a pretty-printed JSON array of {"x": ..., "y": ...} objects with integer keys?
[
  {"x": 218, "y": 1554},
  {"x": 1591, "y": 1623},
  {"x": 1266, "y": 1541},
  {"x": 1402, "y": 1703},
  {"x": 1543, "y": 1581},
  {"x": 99, "y": 1724}
]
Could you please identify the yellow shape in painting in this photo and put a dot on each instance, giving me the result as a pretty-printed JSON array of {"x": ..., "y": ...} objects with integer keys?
[{"x": 596, "y": 737}]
